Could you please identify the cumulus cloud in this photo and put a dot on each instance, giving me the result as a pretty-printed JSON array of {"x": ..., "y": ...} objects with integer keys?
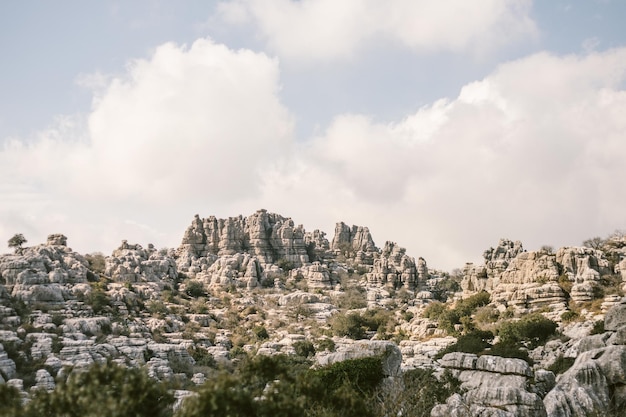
[
  {"x": 314, "y": 30},
  {"x": 184, "y": 128},
  {"x": 533, "y": 152}
]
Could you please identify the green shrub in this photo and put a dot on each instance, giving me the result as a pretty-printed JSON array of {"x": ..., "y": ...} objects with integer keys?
[
  {"x": 352, "y": 298},
  {"x": 434, "y": 310},
  {"x": 467, "y": 306},
  {"x": 349, "y": 325},
  {"x": 472, "y": 342},
  {"x": 105, "y": 391},
  {"x": 194, "y": 289},
  {"x": 509, "y": 350},
  {"x": 98, "y": 299},
  {"x": 10, "y": 401},
  {"x": 201, "y": 356},
  {"x": 363, "y": 374},
  {"x": 304, "y": 348},
  {"x": 285, "y": 264},
  {"x": 534, "y": 329},
  {"x": 325, "y": 344},
  {"x": 598, "y": 327},
  {"x": 416, "y": 394},
  {"x": 568, "y": 316},
  {"x": 261, "y": 333}
]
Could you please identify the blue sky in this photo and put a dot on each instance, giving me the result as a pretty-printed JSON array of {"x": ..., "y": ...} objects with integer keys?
[{"x": 442, "y": 126}]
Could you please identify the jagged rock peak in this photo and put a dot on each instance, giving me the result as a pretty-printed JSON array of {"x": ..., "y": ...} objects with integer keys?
[
  {"x": 57, "y": 239},
  {"x": 267, "y": 236},
  {"x": 358, "y": 238},
  {"x": 505, "y": 250}
]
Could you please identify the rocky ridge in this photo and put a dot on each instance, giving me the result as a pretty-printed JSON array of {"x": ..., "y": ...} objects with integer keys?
[{"x": 262, "y": 285}]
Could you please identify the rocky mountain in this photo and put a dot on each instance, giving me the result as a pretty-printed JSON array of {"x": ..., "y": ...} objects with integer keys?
[{"x": 527, "y": 323}]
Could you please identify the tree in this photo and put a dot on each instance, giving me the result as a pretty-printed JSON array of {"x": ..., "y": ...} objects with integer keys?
[
  {"x": 16, "y": 242},
  {"x": 594, "y": 243}
]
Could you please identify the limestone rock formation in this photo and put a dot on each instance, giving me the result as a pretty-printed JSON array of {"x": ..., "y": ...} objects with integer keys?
[
  {"x": 388, "y": 351},
  {"x": 267, "y": 236},
  {"x": 493, "y": 386},
  {"x": 132, "y": 263},
  {"x": 317, "y": 275},
  {"x": 596, "y": 382},
  {"x": 43, "y": 273},
  {"x": 354, "y": 243},
  {"x": 395, "y": 269},
  {"x": 481, "y": 277},
  {"x": 531, "y": 281},
  {"x": 241, "y": 270}
]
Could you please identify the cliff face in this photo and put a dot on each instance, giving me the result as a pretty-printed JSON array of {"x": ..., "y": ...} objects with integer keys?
[
  {"x": 533, "y": 281},
  {"x": 267, "y": 236}
]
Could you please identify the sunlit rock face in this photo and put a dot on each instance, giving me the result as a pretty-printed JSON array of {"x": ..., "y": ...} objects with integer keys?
[
  {"x": 266, "y": 236},
  {"x": 540, "y": 280},
  {"x": 43, "y": 273},
  {"x": 132, "y": 263}
]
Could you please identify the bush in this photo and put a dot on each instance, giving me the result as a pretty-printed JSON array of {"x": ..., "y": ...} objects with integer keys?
[
  {"x": 96, "y": 262},
  {"x": 380, "y": 320},
  {"x": 434, "y": 310},
  {"x": 261, "y": 333},
  {"x": 445, "y": 287},
  {"x": 472, "y": 342},
  {"x": 98, "y": 300},
  {"x": 10, "y": 401},
  {"x": 284, "y": 386},
  {"x": 509, "y": 350},
  {"x": 363, "y": 374},
  {"x": 285, "y": 264},
  {"x": 533, "y": 329},
  {"x": 467, "y": 306},
  {"x": 416, "y": 394},
  {"x": 304, "y": 348},
  {"x": 104, "y": 390},
  {"x": 349, "y": 325},
  {"x": 194, "y": 289},
  {"x": 352, "y": 298},
  {"x": 598, "y": 327},
  {"x": 325, "y": 344},
  {"x": 568, "y": 316}
]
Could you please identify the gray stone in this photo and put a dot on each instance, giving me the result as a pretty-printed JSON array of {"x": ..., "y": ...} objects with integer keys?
[{"x": 615, "y": 318}]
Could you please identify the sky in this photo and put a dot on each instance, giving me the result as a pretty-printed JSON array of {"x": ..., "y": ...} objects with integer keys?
[{"x": 442, "y": 126}]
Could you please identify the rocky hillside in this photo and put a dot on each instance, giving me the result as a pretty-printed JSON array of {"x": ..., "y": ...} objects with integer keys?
[{"x": 546, "y": 328}]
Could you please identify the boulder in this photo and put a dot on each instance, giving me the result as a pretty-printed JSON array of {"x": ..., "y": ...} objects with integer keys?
[{"x": 388, "y": 351}]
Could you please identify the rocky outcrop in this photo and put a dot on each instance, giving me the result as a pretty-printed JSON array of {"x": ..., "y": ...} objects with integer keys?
[
  {"x": 267, "y": 236},
  {"x": 395, "y": 269},
  {"x": 43, "y": 273},
  {"x": 492, "y": 386},
  {"x": 317, "y": 275},
  {"x": 241, "y": 270},
  {"x": 531, "y": 281},
  {"x": 132, "y": 263},
  {"x": 354, "y": 243},
  {"x": 7, "y": 366},
  {"x": 596, "y": 382},
  {"x": 389, "y": 353}
]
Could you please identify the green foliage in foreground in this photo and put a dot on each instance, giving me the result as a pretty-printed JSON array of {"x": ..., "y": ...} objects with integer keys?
[
  {"x": 279, "y": 386},
  {"x": 102, "y": 391}
]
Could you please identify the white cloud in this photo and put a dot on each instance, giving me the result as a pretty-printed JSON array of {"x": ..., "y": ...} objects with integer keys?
[
  {"x": 534, "y": 151},
  {"x": 313, "y": 30},
  {"x": 188, "y": 127}
]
